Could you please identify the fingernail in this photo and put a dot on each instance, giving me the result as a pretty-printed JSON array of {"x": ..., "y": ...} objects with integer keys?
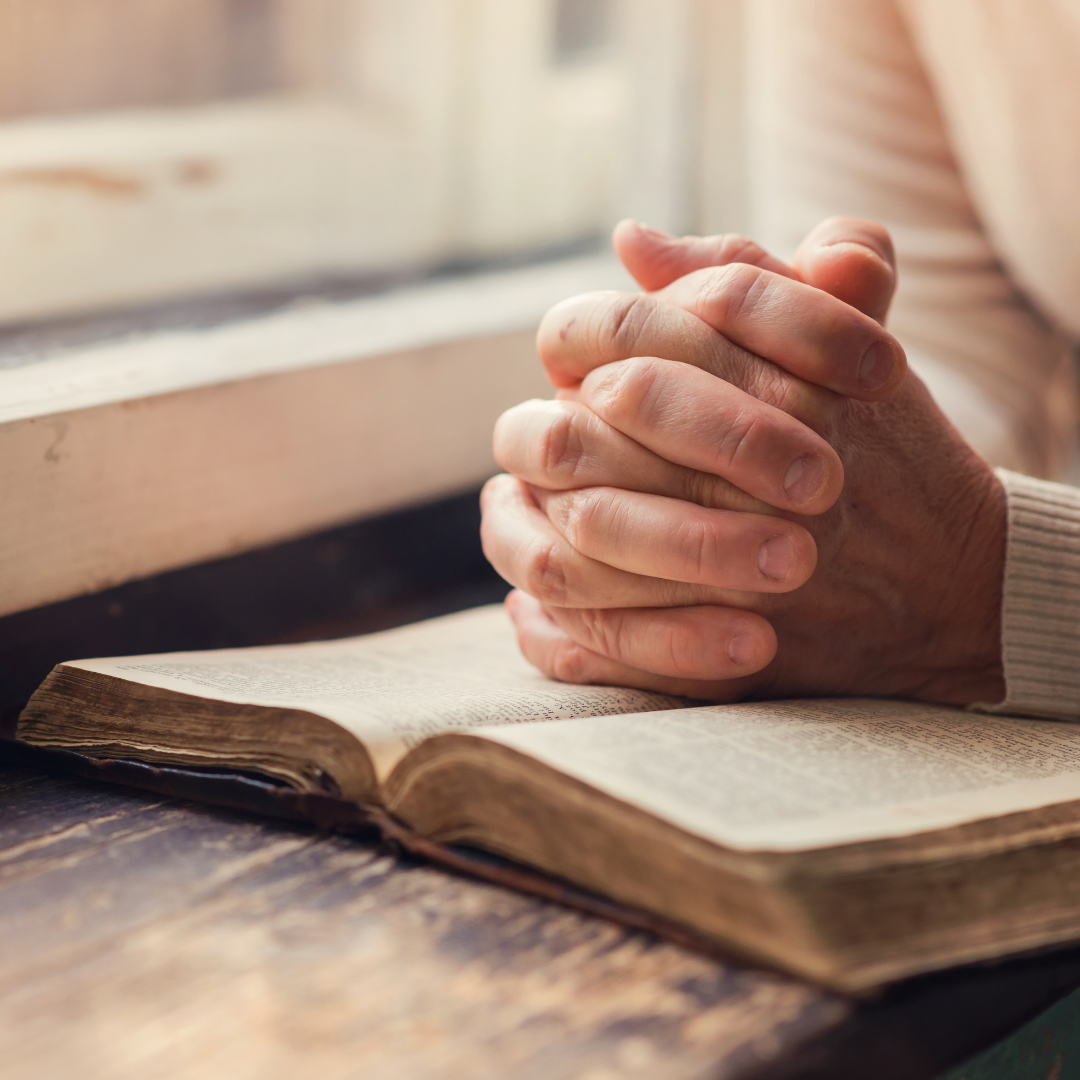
[
  {"x": 742, "y": 650},
  {"x": 876, "y": 366},
  {"x": 775, "y": 558},
  {"x": 804, "y": 478}
]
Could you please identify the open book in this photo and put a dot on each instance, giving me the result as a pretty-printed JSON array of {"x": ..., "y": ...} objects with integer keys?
[{"x": 852, "y": 842}]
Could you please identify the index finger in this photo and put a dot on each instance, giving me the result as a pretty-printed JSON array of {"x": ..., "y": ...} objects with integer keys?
[
  {"x": 588, "y": 332},
  {"x": 801, "y": 329}
]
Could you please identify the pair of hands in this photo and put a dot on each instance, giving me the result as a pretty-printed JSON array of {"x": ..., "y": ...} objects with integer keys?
[{"x": 740, "y": 491}]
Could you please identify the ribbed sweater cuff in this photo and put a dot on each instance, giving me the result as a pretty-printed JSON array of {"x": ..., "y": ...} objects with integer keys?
[{"x": 1040, "y": 617}]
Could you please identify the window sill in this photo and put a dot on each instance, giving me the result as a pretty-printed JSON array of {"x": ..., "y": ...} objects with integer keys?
[{"x": 125, "y": 460}]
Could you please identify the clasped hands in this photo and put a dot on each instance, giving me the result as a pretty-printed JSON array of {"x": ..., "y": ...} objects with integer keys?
[{"x": 741, "y": 491}]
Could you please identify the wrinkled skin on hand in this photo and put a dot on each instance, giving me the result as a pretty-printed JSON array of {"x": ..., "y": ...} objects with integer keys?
[{"x": 742, "y": 492}]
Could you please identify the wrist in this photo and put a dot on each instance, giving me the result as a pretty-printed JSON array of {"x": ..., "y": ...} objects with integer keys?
[{"x": 967, "y": 641}]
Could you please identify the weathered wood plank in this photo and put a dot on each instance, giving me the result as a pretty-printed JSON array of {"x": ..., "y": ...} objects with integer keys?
[
  {"x": 125, "y": 460},
  {"x": 166, "y": 940},
  {"x": 142, "y": 937}
]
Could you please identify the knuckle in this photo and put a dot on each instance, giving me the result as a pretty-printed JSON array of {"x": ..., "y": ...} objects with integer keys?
[
  {"x": 684, "y": 650},
  {"x": 544, "y": 574},
  {"x": 590, "y": 514},
  {"x": 561, "y": 446},
  {"x": 570, "y": 663},
  {"x": 738, "y": 438},
  {"x": 736, "y": 248},
  {"x": 737, "y": 291},
  {"x": 613, "y": 634},
  {"x": 622, "y": 323},
  {"x": 698, "y": 544},
  {"x": 775, "y": 387},
  {"x": 623, "y": 392},
  {"x": 811, "y": 405},
  {"x": 603, "y": 629}
]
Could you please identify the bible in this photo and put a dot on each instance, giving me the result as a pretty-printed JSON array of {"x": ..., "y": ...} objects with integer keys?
[{"x": 851, "y": 842}]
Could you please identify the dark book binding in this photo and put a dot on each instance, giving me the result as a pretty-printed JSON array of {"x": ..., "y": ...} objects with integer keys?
[{"x": 271, "y": 798}]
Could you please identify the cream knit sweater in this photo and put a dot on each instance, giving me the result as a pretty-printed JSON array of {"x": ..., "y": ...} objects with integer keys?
[{"x": 955, "y": 123}]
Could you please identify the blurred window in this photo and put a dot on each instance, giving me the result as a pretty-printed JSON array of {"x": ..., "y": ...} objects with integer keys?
[
  {"x": 187, "y": 165},
  {"x": 160, "y": 149},
  {"x": 75, "y": 56}
]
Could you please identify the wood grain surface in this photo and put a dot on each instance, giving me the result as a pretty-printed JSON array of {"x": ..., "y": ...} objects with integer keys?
[
  {"x": 144, "y": 937},
  {"x": 148, "y": 938}
]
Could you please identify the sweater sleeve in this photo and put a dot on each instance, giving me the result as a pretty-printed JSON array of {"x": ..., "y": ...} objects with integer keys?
[{"x": 1040, "y": 625}]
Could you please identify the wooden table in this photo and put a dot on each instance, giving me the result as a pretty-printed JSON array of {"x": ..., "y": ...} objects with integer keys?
[{"x": 143, "y": 937}]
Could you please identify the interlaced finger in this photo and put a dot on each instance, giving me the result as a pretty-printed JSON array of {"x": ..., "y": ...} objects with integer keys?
[
  {"x": 685, "y": 416},
  {"x": 589, "y": 331},
  {"x": 529, "y": 552},
  {"x": 548, "y": 647},
  {"x": 702, "y": 643},
  {"x": 560, "y": 445},
  {"x": 804, "y": 330},
  {"x": 666, "y": 538}
]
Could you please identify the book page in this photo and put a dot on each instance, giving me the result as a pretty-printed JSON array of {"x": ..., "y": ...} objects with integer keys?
[
  {"x": 793, "y": 775},
  {"x": 391, "y": 689}
]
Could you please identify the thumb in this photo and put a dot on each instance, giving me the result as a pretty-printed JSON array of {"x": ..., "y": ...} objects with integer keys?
[
  {"x": 849, "y": 258},
  {"x": 656, "y": 258},
  {"x": 853, "y": 260}
]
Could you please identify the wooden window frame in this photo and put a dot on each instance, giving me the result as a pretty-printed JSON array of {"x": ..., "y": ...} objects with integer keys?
[{"x": 122, "y": 460}]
